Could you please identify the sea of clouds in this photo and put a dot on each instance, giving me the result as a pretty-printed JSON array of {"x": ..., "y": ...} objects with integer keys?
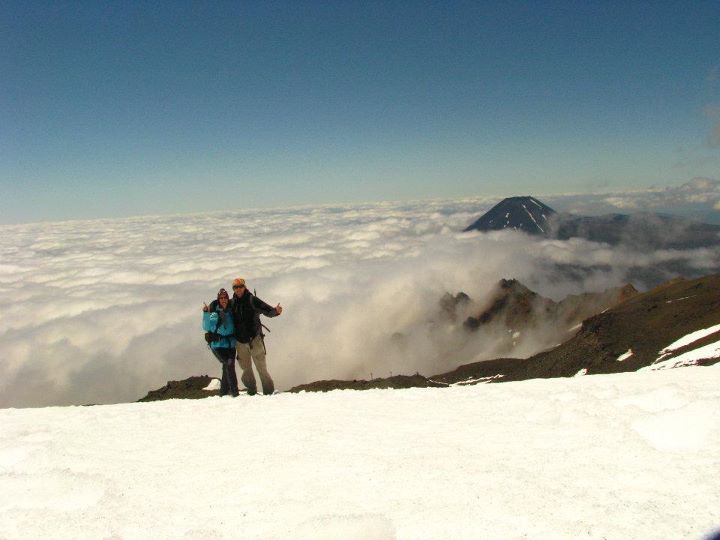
[
  {"x": 102, "y": 311},
  {"x": 698, "y": 198}
]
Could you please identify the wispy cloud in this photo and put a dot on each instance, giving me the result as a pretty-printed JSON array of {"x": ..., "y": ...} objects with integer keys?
[
  {"x": 713, "y": 112},
  {"x": 696, "y": 195},
  {"x": 102, "y": 311}
]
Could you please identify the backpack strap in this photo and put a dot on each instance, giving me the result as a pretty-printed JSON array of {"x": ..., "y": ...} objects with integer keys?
[{"x": 255, "y": 309}]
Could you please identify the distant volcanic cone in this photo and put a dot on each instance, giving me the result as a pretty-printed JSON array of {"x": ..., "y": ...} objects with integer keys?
[{"x": 526, "y": 214}]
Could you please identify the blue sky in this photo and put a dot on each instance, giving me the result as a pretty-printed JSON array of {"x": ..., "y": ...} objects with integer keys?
[{"x": 124, "y": 108}]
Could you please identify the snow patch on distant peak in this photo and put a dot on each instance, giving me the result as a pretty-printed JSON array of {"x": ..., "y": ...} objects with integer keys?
[
  {"x": 625, "y": 355},
  {"x": 679, "y": 299},
  {"x": 529, "y": 213}
]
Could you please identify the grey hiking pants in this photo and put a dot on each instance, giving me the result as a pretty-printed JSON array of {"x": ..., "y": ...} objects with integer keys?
[{"x": 255, "y": 350}]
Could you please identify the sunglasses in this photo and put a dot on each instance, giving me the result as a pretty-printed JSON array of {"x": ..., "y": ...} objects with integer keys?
[
  {"x": 223, "y": 298},
  {"x": 238, "y": 286}
]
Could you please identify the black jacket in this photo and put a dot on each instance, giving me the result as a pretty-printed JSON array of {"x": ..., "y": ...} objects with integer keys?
[{"x": 246, "y": 311}]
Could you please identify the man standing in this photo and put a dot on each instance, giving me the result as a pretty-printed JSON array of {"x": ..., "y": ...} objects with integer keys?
[{"x": 246, "y": 309}]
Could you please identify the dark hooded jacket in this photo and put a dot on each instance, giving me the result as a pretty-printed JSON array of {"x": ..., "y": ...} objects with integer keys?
[{"x": 246, "y": 311}]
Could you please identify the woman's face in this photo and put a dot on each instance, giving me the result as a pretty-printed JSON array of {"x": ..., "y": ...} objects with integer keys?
[{"x": 223, "y": 299}]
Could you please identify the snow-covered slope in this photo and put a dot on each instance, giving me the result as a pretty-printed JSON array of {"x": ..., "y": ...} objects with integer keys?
[{"x": 631, "y": 455}]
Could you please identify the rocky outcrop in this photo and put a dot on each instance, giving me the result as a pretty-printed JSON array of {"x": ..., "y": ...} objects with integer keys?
[
  {"x": 191, "y": 388},
  {"x": 517, "y": 309}
]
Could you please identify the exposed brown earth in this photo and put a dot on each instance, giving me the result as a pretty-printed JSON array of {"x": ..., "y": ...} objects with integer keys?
[
  {"x": 644, "y": 324},
  {"x": 396, "y": 381}
]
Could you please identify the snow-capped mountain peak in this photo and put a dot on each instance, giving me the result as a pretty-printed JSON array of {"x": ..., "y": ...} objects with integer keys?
[{"x": 520, "y": 213}]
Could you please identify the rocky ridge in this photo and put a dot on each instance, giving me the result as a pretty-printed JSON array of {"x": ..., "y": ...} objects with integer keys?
[
  {"x": 190, "y": 388},
  {"x": 512, "y": 312},
  {"x": 633, "y": 335}
]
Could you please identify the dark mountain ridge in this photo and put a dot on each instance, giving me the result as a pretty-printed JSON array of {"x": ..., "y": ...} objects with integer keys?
[
  {"x": 641, "y": 230},
  {"x": 516, "y": 306},
  {"x": 643, "y": 325},
  {"x": 519, "y": 321}
]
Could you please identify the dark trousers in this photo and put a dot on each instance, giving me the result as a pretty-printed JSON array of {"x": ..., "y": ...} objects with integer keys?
[{"x": 229, "y": 382}]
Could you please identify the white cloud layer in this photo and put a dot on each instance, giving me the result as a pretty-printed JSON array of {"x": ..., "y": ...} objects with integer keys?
[
  {"x": 697, "y": 198},
  {"x": 103, "y": 311}
]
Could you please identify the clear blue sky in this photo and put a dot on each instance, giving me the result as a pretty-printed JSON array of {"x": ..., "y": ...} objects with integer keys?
[{"x": 123, "y": 108}]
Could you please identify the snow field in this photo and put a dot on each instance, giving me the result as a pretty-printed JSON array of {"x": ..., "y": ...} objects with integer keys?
[{"x": 631, "y": 455}]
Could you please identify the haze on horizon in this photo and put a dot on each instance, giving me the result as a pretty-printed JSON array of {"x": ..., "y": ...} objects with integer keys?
[{"x": 118, "y": 109}]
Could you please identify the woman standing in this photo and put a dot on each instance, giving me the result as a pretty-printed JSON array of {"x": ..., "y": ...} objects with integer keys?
[{"x": 218, "y": 323}]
